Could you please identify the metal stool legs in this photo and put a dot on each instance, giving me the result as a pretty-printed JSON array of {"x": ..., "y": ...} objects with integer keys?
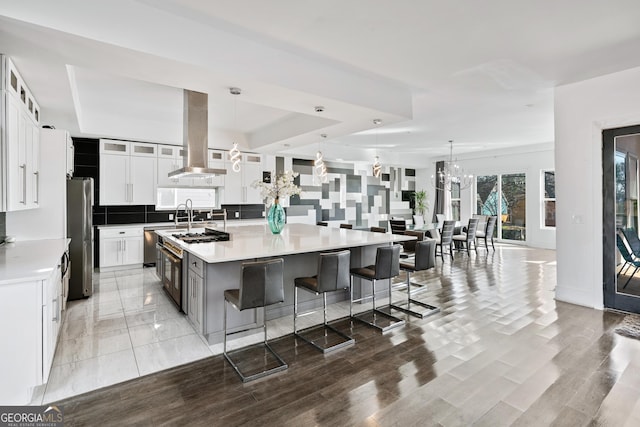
[
  {"x": 384, "y": 311},
  {"x": 346, "y": 340},
  {"x": 407, "y": 306},
  {"x": 282, "y": 365}
]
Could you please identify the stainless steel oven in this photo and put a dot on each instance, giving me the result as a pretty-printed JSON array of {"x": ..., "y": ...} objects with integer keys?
[{"x": 169, "y": 269}]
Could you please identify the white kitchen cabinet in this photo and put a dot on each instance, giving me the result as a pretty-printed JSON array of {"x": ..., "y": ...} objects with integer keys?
[
  {"x": 127, "y": 173},
  {"x": 216, "y": 161},
  {"x": 237, "y": 188},
  {"x": 121, "y": 246},
  {"x": 51, "y": 318},
  {"x": 22, "y": 139},
  {"x": 36, "y": 307},
  {"x": 170, "y": 158}
]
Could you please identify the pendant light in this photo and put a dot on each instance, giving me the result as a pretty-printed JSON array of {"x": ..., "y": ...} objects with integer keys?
[
  {"x": 318, "y": 163},
  {"x": 377, "y": 167},
  {"x": 234, "y": 153}
]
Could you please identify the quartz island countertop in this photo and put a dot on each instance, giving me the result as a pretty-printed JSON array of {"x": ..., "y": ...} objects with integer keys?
[
  {"x": 257, "y": 241},
  {"x": 30, "y": 260}
]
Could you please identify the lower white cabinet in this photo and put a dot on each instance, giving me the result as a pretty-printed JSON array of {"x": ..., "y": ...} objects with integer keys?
[
  {"x": 51, "y": 319},
  {"x": 35, "y": 310},
  {"x": 121, "y": 246}
]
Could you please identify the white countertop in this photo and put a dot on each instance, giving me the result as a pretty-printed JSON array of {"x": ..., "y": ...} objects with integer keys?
[
  {"x": 257, "y": 241},
  {"x": 30, "y": 260}
]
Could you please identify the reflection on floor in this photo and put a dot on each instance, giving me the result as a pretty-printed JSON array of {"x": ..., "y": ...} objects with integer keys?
[{"x": 502, "y": 351}]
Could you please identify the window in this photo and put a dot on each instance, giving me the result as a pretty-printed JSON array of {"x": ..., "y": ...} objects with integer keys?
[
  {"x": 169, "y": 198},
  {"x": 549, "y": 198},
  {"x": 455, "y": 201}
]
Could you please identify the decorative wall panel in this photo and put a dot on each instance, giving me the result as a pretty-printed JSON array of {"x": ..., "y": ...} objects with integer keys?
[{"x": 352, "y": 195}]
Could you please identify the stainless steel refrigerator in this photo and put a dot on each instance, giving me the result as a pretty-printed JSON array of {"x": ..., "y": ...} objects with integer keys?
[{"x": 80, "y": 231}]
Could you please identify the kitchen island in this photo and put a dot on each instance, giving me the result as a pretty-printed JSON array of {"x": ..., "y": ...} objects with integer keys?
[{"x": 210, "y": 268}]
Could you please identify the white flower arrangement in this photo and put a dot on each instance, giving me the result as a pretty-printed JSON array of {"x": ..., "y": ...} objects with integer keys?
[{"x": 282, "y": 186}]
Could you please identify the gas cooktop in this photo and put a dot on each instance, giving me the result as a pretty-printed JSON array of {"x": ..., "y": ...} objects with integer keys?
[{"x": 209, "y": 235}]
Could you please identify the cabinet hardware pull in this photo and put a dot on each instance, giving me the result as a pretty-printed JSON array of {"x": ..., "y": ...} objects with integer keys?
[
  {"x": 55, "y": 316},
  {"x": 37, "y": 174},
  {"x": 24, "y": 184}
]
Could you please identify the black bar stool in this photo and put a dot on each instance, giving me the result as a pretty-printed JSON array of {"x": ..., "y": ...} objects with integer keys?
[
  {"x": 387, "y": 266},
  {"x": 322, "y": 223},
  {"x": 347, "y": 226},
  {"x": 378, "y": 229},
  {"x": 425, "y": 258},
  {"x": 333, "y": 275},
  {"x": 262, "y": 284},
  {"x": 409, "y": 248}
]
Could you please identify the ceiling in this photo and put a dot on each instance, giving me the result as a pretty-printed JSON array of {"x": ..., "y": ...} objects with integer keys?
[{"x": 480, "y": 73}]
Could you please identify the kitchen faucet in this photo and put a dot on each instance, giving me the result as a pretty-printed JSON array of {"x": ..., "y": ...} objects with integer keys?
[{"x": 188, "y": 208}]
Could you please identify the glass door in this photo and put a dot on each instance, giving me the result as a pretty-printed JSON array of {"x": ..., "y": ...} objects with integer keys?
[
  {"x": 504, "y": 196},
  {"x": 620, "y": 234},
  {"x": 513, "y": 224}
]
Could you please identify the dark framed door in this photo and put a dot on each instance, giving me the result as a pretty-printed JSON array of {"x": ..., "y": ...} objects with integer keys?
[{"x": 620, "y": 150}]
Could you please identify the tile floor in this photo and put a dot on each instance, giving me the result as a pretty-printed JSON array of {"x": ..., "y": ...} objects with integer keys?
[{"x": 128, "y": 328}]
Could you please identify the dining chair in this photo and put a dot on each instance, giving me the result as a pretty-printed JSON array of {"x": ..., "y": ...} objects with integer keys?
[
  {"x": 444, "y": 238},
  {"x": 398, "y": 226},
  {"x": 469, "y": 237}
]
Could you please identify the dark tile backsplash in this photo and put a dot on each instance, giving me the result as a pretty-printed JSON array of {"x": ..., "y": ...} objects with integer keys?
[{"x": 244, "y": 211}]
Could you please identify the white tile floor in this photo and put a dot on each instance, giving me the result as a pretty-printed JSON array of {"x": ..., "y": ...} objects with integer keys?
[{"x": 130, "y": 328}]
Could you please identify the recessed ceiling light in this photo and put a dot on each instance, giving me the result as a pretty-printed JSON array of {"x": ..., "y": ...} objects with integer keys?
[{"x": 286, "y": 145}]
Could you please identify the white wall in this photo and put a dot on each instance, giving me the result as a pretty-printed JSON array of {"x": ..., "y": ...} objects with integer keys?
[{"x": 582, "y": 111}]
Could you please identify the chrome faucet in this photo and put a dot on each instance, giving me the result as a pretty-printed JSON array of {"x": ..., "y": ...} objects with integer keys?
[{"x": 188, "y": 208}]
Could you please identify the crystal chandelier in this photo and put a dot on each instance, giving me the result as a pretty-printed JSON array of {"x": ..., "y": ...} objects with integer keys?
[{"x": 451, "y": 175}]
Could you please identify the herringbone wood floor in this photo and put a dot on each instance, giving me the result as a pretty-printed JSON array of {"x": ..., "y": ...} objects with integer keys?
[{"x": 502, "y": 351}]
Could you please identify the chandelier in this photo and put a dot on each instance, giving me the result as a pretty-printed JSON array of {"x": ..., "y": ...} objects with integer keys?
[{"x": 452, "y": 175}]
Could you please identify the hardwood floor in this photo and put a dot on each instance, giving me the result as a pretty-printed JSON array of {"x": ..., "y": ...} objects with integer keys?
[{"x": 501, "y": 351}]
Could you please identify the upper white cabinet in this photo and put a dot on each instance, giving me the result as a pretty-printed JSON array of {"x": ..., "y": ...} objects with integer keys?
[
  {"x": 22, "y": 139},
  {"x": 237, "y": 188},
  {"x": 170, "y": 158},
  {"x": 127, "y": 172},
  {"x": 216, "y": 161}
]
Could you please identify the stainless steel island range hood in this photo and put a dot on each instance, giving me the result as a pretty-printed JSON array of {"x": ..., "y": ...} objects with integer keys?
[{"x": 195, "y": 134}]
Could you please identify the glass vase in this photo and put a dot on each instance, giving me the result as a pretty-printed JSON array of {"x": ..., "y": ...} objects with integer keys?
[{"x": 276, "y": 217}]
